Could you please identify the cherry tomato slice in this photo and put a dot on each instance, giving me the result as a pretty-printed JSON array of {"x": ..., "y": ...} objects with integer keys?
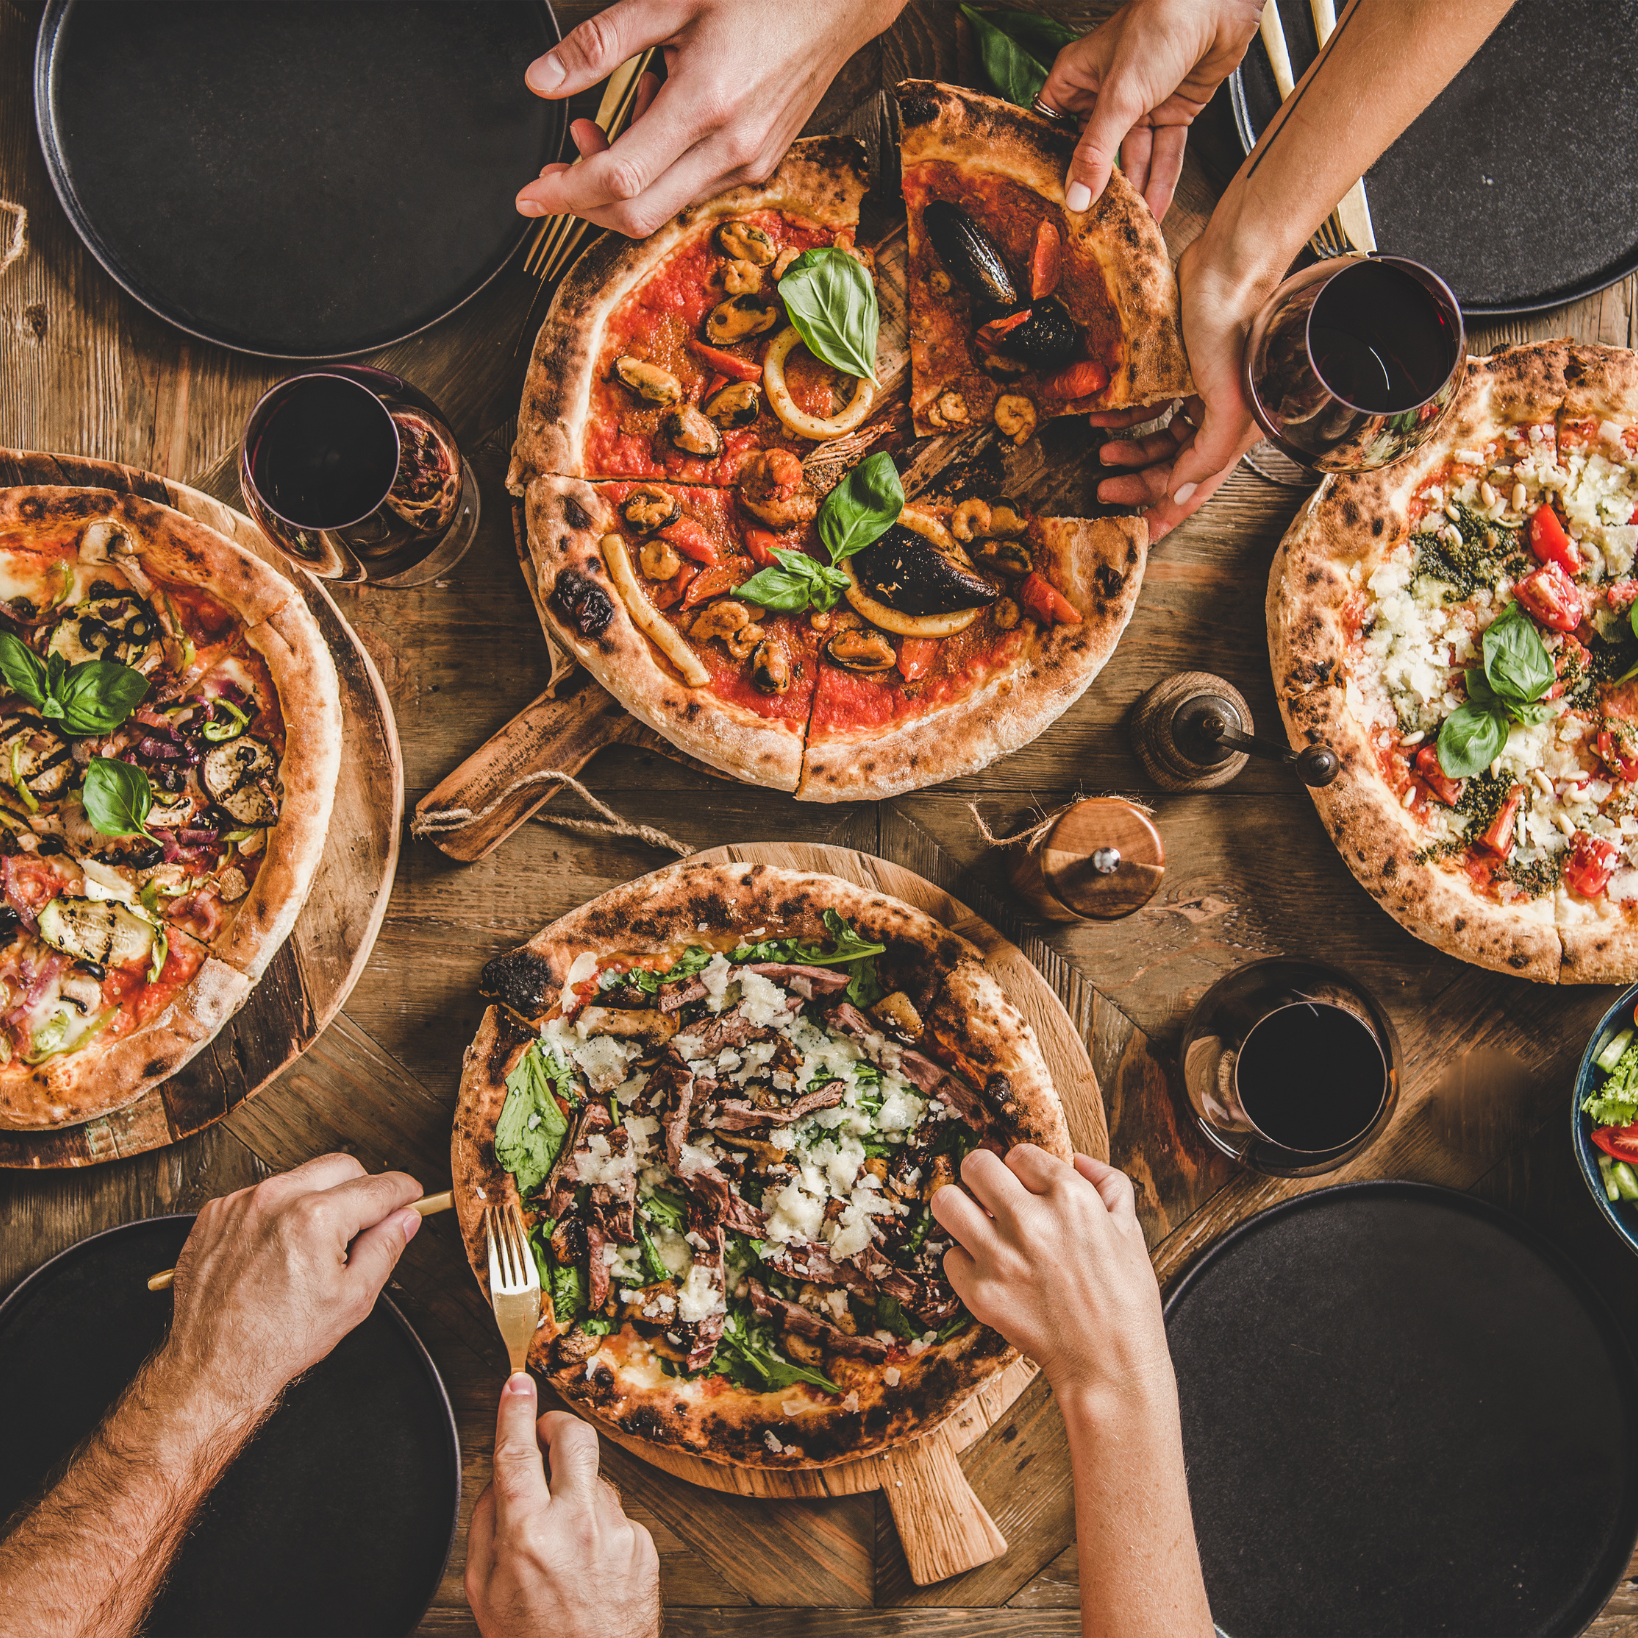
[
  {"x": 1552, "y": 597},
  {"x": 1499, "y": 836},
  {"x": 737, "y": 369},
  {"x": 1550, "y": 543},
  {"x": 691, "y": 540},
  {"x": 709, "y": 583},
  {"x": 916, "y": 657},
  {"x": 1045, "y": 603},
  {"x": 1448, "y": 790},
  {"x": 1592, "y": 861},
  {"x": 1619, "y": 1141},
  {"x": 1610, "y": 750}
]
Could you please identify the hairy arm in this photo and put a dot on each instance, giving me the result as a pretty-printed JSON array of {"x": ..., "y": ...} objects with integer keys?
[{"x": 271, "y": 1279}]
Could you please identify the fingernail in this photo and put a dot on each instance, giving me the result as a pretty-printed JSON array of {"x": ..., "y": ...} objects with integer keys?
[
  {"x": 531, "y": 207},
  {"x": 1181, "y": 496},
  {"x": 545, "y": 75},
  {"x": 520, "y": 1382},
  {"x": 1078, "y": 197}
]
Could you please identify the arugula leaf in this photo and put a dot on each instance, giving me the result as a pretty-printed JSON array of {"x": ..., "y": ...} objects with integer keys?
[
  {"x": 831, "y": 299},
  {"x": 664, "y": 1207},
  {"x": 116, "y": 797},
  {"x": 1516, "y": 662},
  {"x": 599, "y": 1325},
  {"x": 756, "y": 1354},
  {"x": 878, "y": 1151},
  {"x": 532, "y": 1126},
  {"x": 798, "y": 582},
  {"x": 954, "y": 1325},
  {"x": 849, "y": 947},
  {"x": 653, "y": 1263},
  {"x": 694, "y": 959},
  {"x": 1470, "y": 739},
  {"x": 862, "y": 507},
  {"x": 890, "y": 1316},
  {"x": 864, "y": 988},
  {"x": 568, "y": 1288},
  {"x": 918, "y": 1235}
]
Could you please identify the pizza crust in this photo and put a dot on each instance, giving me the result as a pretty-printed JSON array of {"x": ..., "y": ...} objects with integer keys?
[
  {"x": 820, "y": 178},
  {"x": 1098, "y": 566},
  {"x": 976, "y": 133},
  {"x": 947, "y": 980},
  {"x": 1557, "y": 938},
  {"x": 566, "y": 519}
]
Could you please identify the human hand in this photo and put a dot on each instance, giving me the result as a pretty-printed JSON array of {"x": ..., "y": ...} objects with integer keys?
[
  {"x": 560, "y": 1558},
  {"x": 742, "y": 78},
  {"x": 1139, "y": 80},
  {"x": 1184, "y": 464},
  {"x": 1051, "y": 1255},
  {"x": 273, "y": 1277}
]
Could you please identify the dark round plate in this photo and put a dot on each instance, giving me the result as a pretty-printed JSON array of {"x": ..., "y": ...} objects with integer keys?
[
  {"x": 1403, "y": 1413},
  {"x": 337, "y": 1518},
  {"x": 295, "y": 178},
  {"x": 1516, "y": 185}
]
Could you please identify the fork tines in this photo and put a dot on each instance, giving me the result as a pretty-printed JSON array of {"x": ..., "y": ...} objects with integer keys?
[{"x": 511, "y": 1264}]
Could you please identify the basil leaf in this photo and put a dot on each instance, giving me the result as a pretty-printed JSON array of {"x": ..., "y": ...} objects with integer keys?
[
  {"x": 1012, "y": 70},
  {"x": 797, "y": 583},
  {"x": 96, "y": 696},
  {"x": 116, "y": 797},
  {"x": 1516, "y": 660},
  {"x": 1039, "y": 34},
  {"x": 1471, "y": 739},
  {"x": 1479, "y": 691},
  {"x": 24, "y": 673},
  {"x": 861, "y": 508},
  {"x": 532, "y": 1126},
  {"x": 831, "y": 300}
]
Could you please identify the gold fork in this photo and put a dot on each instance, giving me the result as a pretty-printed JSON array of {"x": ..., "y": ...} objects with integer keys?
[{"x": 514, "y": 1281}]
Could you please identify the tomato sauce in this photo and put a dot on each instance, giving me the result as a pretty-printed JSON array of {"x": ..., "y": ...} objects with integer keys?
[{"x": 656, "y": 323}]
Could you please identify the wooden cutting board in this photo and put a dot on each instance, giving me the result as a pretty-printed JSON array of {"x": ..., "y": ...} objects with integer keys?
[
  {"x": 313, "y": 973},
  {"x": 942, "y": 1524}
]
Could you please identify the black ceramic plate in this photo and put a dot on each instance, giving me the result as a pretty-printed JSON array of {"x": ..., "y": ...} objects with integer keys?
[
  {"x": 1517, "y": 184},
  {"x": 1403, "y": 1413},
  {"x": 336, "y": 1520},
  {"x": 295, "y": 178}
]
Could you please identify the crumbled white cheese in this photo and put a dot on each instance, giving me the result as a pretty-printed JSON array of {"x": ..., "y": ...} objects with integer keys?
[
  {"x": 901, "y": 1109},
  {"x": 891, "y": 1375},
  {"x": 701, "y": 1295},
  {"x": 696, "y": 1157},
  {"x": 760, "y": 999},
  {"x": 641, "y": 1129},
  {"x": 714, "y": 976},
  {"x": 796, "y": 1214},
  {"x": 581, "y": 968},
  {"x": 604, "y": 1059},
  {"x": 598, "y": 1164}
]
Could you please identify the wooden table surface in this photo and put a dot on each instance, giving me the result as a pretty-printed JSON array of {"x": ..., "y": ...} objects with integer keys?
[{"x": 1250, "y": 873}]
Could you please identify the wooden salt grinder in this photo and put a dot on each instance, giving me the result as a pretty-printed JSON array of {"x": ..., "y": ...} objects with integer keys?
[{"x": 1101, "y": 860}]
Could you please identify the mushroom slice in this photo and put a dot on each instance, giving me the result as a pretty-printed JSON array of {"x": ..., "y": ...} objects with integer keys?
[
  {"x": 241, "y": 776},
  {"x": 97, "y": 930},
  {"x": 648, "y": 381}
]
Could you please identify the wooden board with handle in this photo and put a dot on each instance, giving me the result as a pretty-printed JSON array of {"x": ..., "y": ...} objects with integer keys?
[
  {"x": 943, "y": 1526},
  {"x": 315, "y": 970}
]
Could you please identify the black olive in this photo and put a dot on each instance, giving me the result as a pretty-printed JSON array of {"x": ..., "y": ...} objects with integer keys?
[
  {"x": 137, "y": 857},
  {"x": 94, "y": 968},
  {"x": 9, "y": 919},
  {"x": 102, "y": 589},
  {"x": 9, "y": 844},
  {"x": 1049, "y": 337},
  {"x": 49, "y": 845},
  {"x": 22, "y": 607},
  {"x": 583, "y": 603},
  {"x": 167, "y": 777}
]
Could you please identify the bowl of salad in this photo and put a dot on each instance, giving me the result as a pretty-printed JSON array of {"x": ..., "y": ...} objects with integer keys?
[{"x": 1605, "y": 1116}]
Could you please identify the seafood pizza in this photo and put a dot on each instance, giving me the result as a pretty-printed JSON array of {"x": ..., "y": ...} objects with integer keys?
[
  {"x": 170, "y": 736},
  {"x": 723, "y": 1096},
  {"x": 1463, "y": 628}
]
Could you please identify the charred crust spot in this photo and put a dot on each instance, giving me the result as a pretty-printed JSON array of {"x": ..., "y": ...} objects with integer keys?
[
  {"x": 582, "y": 603},
  {"x": 575, "y": 513},
  {"x": 154, "y": 1068},
  {"x": 1109, "y": 579},
  {"x": 1459, "y": 923},
  {"x": 1350, "y": 512},
  {"x": 1377, "y": 525},
  {"x": 520, "y": 979},
  {"x": 1518, "y": 962},
  {"x": 918, "y": 110}
]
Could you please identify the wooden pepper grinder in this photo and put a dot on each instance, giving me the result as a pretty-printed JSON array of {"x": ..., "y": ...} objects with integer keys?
[
  {"x": 1193, "y": 732},
  {"x": 1101, "y": 860}
]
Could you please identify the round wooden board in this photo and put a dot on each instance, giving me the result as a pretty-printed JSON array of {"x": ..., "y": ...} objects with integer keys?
[
  {"x": 314, "y": 972},
  {"x": 1088, "y": 1129}
]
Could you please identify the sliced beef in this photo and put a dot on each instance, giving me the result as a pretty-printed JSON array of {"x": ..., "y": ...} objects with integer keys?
[
  {"x": 792, "y": 1316},
  {"x": 736, "y": 1114},
  {"x": 847, "y": 1017},
  {"x": 808, "y": 1260},
  {"x": 679, "y": 992},
  {"x": 937, "y": 1082},
  {"x": 728, "y": 1029},
  {"x": 712, "y": 1200},
  {"x": 613, "y": 1205},
  {"x": 670, "y": 1094},
  {"x": 597, "y": 1271},
  {"x": 806, "y": 982},
  {"x": 707, "y": 1334}
]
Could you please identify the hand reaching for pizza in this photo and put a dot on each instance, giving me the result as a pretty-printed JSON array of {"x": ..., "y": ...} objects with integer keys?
[
  {"x": 1052, "y": 1257},
  {"x": 1179, "y": 468},
  {"x": 273, "y": 1277},
  {"x": 556, "y": 1557},
  {"x": 742, "y": 76},
  {"x": 1139, "y": 81}
]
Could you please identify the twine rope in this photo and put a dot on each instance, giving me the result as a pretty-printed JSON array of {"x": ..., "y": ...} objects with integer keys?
[
  {"x": 1033, "y": 836},
  {"x": 440, "y": 821},
  {"x": 17, "y": 245}
]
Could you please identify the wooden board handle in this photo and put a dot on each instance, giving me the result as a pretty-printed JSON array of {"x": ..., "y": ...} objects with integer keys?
[
  {"x": 564, "y": 734},
  {"x": 942, "y": 1525}
]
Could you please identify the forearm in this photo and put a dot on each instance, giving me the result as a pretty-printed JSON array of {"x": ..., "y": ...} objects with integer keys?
[
  {"x": 1139, "y": 1567},
  {"x": 1387, "y": 60},
  {"x": 88, "y": 1559}
]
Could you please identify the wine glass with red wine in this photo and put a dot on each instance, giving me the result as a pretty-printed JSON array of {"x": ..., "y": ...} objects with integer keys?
[
  {"x": 1290, "y": 1066},
  {"x": 1353, "y": 363},
  {"x": 356, "y": 476}
]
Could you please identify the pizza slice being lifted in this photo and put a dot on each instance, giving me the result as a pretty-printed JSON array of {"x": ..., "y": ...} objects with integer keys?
[{"x": 1021, "y": 309}]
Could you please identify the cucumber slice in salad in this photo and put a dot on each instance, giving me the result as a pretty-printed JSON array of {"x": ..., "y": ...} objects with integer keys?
[{"x": 1611, "y": 1055}]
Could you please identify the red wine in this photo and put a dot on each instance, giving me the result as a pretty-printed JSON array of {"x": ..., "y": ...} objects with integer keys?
[
  {"x": 1379, "y": 340},
  {"x": 1311, "y": 1076},
  {"x": 328, "y": 453}
]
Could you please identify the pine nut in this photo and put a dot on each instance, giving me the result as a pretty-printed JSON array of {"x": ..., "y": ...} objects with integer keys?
[
  {"x": 1416, "y": 738},
  {"x": 1453, "y": 512},
  {"x": 1518, "y": 497},
  {"x": 1409, "y": 798},
  {"x": 1543, "y": 783},
  {"x": 1487, "y": 494},
  {"x": 1565, "y": 823}
]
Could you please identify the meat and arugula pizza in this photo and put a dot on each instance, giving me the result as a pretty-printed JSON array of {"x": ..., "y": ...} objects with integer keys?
[
  {"x": 724, "y": 1095},
  {"x": 1021, "y": 309},
  {"x": 1462, "y": 628},
  {"x": 170, "y": 734},
  {"x": 843, "y": 650}
]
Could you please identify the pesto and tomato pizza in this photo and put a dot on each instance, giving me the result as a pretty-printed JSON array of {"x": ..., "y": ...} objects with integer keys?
[
  {"x": 170, "y": 734},
  {"x": 1461, "y": 628},
  {"x": 1021, "y": 309},
  {"x": 723, "y": 1096}
]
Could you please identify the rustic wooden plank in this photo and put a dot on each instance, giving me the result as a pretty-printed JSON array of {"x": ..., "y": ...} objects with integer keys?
[
  {"x": 1057, "y": 1587},
  {"x": 757, "y": 1623}
]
